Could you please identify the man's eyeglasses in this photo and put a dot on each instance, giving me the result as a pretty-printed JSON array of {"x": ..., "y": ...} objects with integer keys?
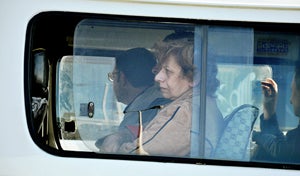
[
  {"x": 111, "y": 76},
  {"x": 156, "y": 69}
]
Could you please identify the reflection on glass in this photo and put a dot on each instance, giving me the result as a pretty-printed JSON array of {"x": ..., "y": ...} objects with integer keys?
[
  {"x": 83, "y": 80},
  {"x": 243, "y": 59}
]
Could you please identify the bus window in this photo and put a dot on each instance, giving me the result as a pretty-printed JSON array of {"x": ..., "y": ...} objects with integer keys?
[{"x": 150, "y": 88}]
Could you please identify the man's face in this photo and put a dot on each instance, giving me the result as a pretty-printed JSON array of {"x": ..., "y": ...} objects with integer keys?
[
  {"x": 295, "y": 98},
  {"x": 117, "y": 85}
]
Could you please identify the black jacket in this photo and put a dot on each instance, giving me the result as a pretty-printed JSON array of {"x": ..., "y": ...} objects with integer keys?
[{"x": 273, "y": 145}]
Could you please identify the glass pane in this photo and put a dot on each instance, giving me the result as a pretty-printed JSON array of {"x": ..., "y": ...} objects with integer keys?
[
  {"x": 231, "y": 108},
  {"x": 102, "y": 110},
  {"x": 90, "y": 87},
  {"x": 276, "y": 133},
  {"x": 114, "y": 67}
]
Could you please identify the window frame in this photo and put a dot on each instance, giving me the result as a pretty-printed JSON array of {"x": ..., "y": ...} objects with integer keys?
[{"x": 31, "y": 43}]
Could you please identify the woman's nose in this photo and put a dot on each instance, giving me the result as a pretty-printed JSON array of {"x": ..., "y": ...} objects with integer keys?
[{"x": 159, "y": 77}]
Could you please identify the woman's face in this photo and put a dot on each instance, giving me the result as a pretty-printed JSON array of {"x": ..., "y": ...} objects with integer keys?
[{"x": 171, "y": 81}]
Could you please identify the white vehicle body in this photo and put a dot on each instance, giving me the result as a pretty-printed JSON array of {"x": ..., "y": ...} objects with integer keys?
[{"x": 19, "y": 155}]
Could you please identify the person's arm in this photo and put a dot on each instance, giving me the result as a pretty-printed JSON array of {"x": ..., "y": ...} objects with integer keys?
[
  {"x": 270, "y": 136},
  {"x": 167, "y": 134},
  {"x": 270, "y": 125},
  {"x": 276, "y": 146},
  {"x": 270, "y": 93},
  {"x": 268, "y": 120},
  {"x": 112, "y": 143}
]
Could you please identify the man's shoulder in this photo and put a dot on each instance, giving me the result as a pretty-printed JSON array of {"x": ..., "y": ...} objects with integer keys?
[
  {"x": 149, "y": 98},
  {"x": 149, "y": 95},
  {"x": 152, "y": 90}
]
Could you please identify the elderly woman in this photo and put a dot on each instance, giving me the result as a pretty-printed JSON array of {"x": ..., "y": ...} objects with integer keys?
[{"x": 169, "y": 132}]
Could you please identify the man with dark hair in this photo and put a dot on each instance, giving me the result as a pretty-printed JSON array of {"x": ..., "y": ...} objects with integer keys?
[
  {"x": 273, "y": 145},
  {"x": 136, "y": 64},
  {"x": 133, "y": 84}
]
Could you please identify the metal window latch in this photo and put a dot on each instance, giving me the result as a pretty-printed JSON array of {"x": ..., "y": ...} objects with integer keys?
[{"x": 91, "y": 109}]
